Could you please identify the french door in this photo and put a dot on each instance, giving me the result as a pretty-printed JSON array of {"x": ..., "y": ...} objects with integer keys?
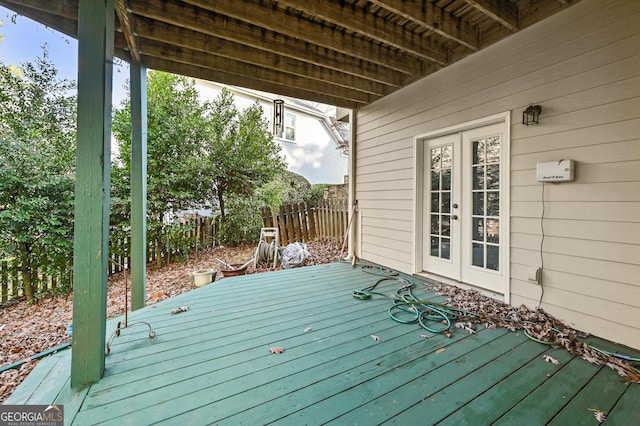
[{"x": 463, "y": 210}]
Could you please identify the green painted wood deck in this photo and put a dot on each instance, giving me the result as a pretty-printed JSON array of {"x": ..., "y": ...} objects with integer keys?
[{"x": 212, "y": 364}]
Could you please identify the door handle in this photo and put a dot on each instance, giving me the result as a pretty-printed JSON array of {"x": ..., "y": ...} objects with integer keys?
[
  {"x": 454, "y": 217},
  {"x": 455, "y": 206}
]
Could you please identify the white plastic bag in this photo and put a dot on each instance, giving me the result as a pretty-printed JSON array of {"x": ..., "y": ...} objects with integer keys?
[{"x": 294, "y": 255}]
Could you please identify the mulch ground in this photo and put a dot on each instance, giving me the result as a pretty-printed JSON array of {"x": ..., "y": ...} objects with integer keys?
[{"x": 29, "y": 329}]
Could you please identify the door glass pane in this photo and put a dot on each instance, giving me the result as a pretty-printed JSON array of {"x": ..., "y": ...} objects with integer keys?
[
  {"x": 446, "y": 157},
  {"x": 445, "y": 202},
  {"x": 440, "y": 200},
  {"x": 493, "y": 176},
  {"x": 435, "y": 246},
  {"x": 478, "y": 203},
  {"x": 446, "y": 179},
  {"x": 446, "y": 248},
  {"x": 485, "y": 219},
  {"x": 435, "y": 202},
  {"x": 493, "y": 257},
  {"x": 478, "y": 152},
  {"x": 477, "y": 257},
  {"x": 435, "y": 158},
  {"x": 435, "y": 224},
  {"x": 478, "y": 177},
  {"x": 446, "y": 225},
  {"x": 493, "y": 203},
  {"x": 478, "y": 229},
  {"x": 493, "y": 149},
  {"x": 493, "y": 231},
  {"x": 435, "y": 180}
]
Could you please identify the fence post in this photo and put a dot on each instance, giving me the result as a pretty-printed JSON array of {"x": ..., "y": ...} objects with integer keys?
[{"x": 4, "y": 281}]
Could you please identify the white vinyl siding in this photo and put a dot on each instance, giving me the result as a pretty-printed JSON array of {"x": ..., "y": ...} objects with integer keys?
[{"x": 583, "y": 67}]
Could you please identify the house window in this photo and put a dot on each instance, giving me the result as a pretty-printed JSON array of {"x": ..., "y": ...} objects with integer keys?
[{"x": 290, "y": 127}]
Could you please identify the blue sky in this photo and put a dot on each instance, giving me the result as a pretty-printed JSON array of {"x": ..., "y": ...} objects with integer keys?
[{"x": 23, "y": 40}]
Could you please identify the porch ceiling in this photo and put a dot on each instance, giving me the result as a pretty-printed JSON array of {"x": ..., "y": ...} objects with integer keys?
[{"x": 347, "y": 53}]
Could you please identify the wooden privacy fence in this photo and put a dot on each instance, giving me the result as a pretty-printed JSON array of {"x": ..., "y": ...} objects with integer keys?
[
  {"x": 11, "y": 280},
  {"x": 200, "y": 231},
  {"x": 297, "y": 222}
]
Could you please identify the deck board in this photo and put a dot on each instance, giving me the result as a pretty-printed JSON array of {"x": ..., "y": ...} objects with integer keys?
[{"x": 212, "y": 364}]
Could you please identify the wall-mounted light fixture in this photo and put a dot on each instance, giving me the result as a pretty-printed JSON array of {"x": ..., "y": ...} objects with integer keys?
[
  {"x": 531, "y": 114},
  {"x": 278, "y": 117}
]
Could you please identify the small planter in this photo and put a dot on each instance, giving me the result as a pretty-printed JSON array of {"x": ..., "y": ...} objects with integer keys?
[
  {"x": 238, "y": 269},
  {"x": 203, "y": 277}
]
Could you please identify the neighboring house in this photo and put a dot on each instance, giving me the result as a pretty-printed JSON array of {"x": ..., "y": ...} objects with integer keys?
[
  {"x": 445, "y": 171},
  {"x": 312, "y": 145}
]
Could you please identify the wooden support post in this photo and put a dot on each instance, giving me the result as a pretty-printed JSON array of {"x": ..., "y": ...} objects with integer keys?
[
  {"x": 138, "y": 186},
  {"x": 93, "y": 176}
]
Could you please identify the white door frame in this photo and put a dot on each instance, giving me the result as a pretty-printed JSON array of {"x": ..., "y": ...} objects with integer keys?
[{"x": 418, "y": 186}]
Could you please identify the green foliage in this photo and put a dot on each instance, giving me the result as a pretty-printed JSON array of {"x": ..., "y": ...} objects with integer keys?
[
  {"x": 198, "y": 154},
  {"x": 316, "y": 193},
  {"x": 241, "y": 154},
  {"x": 243, "y": 222},
  {"x": 37, "y": 168},
  {"x": 289, "y": 187},
  {"x": 176, "y": 131}
]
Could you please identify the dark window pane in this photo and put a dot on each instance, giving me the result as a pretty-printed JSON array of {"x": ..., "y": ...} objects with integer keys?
[
  {"x": 493, "y": 176},
  {"x": 445, "y": 202},
  {"x": 446, "y": 248},
  {"x": 477, "y": 257},
  {"x": 435, "y": 180},
  {"x": 446, "y": 225},
  {"x": 435, "y": 224},
  {"x": 435, "y": 246},
  {"x": 493, "y": 258},
  {"x": 478, "y": 177},
  {"x": 493, "y": 203},
  {"x": 446, "y": 179},
  {"x": 478, "y": 229},
  {"x": 478, "y": 203},
  {"x": 435, "y": 202},
  {"x": 478, "y": 152}
]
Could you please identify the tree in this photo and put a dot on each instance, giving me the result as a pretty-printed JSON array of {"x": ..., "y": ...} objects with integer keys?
[
  {"x": 176, "y": 131},
  {"x": 241, "y": 153},
  {"x": 37, "y": 168}
]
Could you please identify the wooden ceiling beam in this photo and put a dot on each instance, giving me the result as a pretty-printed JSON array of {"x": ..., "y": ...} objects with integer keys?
[
  {"x": 290, "y": 49},
  {"x": 126, "y": 25},
  {"x": 280, "y": 77},
  {"x": 57, "y": 22},
  {"x": 61, "y": 8},
  {"x": 305, "y": 30},
  {"x": 187, "y": 39},
  {"x": 428, "y": 16},
  {"x": 224, "y": 77},
  {"x": 369, "y": 25},
  {"x": 501, "y": 11}
]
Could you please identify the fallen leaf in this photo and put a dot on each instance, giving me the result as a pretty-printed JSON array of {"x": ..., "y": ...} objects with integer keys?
[
  {"x": 158, "y": 295},
  {"x": 424, "y": 336},
  {"x": 276, "y": 350},
  {"x": 439, "y": 351},
  {"x": 599, "y": 415},
  {"x": 376, "y": 338},
  {"x": 552, "y": 360},
  {"x": 180, "y": 309},
  {"x": 308, "y": 329}
]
